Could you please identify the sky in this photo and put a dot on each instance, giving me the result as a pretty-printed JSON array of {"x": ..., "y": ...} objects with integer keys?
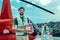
[{"x": 35, "y": 14}]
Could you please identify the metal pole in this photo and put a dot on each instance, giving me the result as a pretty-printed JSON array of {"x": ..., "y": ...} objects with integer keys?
[{"x": 37, "y": 6}]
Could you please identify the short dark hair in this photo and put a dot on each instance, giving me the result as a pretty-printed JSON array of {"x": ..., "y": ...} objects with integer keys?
[
  {"x": 21, "y": 8},
  {"x": 45, "y": 23}
]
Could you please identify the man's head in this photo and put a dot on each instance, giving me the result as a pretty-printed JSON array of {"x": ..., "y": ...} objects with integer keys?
[
  {"x": 45, "y": 24},
  {"x": 21, "y": 10}
]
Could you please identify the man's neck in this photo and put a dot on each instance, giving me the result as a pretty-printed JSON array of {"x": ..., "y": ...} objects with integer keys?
[{"x": 21, "y": 15}]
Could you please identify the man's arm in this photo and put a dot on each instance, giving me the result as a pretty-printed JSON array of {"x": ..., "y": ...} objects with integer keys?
[
  {"x": 15, "y": 21},
  {"x": 35, "y": 27}
]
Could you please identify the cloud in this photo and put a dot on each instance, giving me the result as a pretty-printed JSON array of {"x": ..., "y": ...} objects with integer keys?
[
  {"x": 18, "y": 1},
  {"x": 13, "y": 8},
  {"x": 33, "y": 2},
  {"x": 58, "y": 7},
  {"x": 28, "y": 5},
  {"x": 43, "y": 2}
]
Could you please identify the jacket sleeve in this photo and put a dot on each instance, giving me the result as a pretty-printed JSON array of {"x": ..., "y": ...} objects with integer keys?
[{"x": 15, "y": 21}]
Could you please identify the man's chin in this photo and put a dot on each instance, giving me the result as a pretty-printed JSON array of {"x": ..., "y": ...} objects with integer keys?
[{"x": 21, "y": 14}]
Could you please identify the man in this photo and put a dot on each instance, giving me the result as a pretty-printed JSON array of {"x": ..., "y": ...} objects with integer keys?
[
  {"x": 45, "y": 32},
  {"x": 20, "y": 21}
]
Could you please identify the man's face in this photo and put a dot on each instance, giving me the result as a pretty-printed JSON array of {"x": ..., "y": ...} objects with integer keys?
[{"x": 21, "y": 11}]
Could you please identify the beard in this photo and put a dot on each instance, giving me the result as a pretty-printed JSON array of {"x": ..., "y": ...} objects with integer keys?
[{"x": 21, "y": 13}]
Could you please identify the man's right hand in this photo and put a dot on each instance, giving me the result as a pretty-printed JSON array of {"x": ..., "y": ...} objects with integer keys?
[
  {"x": 48, "y": 33},
  {"x": 19, "y": 30}
]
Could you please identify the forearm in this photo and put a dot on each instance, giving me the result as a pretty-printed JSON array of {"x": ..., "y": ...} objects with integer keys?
[{"x": 15, "y": 29}]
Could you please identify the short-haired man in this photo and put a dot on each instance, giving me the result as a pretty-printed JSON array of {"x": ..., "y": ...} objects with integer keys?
[{"x": 20, "y": 21}]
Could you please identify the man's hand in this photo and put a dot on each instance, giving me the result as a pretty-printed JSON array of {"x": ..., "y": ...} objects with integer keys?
[
  {"x": 15, "y": 29},
  {"x": 5, "y": 31},
  {"x": 48, "y": 33}
]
